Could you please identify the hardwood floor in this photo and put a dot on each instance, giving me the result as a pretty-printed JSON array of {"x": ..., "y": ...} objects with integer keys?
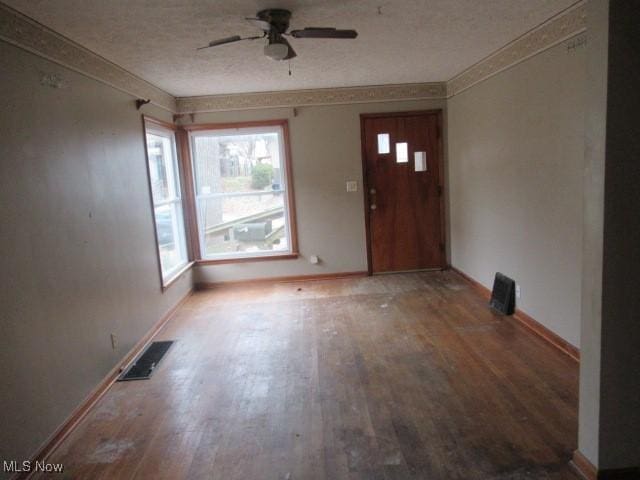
[{"x": 405, "y": 376}]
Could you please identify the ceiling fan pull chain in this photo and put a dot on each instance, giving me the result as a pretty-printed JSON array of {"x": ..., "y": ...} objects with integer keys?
[{"x": 289, "y": 67}]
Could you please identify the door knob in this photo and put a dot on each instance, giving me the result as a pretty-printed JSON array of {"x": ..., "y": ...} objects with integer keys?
[
  {"x": 372, "y": 191},
  {"x": 373, "y": 206}
]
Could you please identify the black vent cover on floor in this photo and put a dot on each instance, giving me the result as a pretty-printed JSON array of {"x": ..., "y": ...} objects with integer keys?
[
  {"x": 146, "y": 363},
  {"x": 503, "y": 296}
]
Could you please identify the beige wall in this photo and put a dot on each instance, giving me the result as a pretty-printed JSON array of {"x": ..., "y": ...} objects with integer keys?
[
  {"x": 78, "y": 255},
  {"x": 325, "y": 143},
  {"x": 593, "y": 227},
  {"x": 77, "y": 235},
  {"x": 516, "y": 146},
  {"x": 610, "y": 366}
]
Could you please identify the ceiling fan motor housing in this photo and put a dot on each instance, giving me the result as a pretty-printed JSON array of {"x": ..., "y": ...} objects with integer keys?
[{"x": 278, "y": 18}]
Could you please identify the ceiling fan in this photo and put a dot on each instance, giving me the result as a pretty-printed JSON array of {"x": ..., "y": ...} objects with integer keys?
[{"x": 274, "y": 23}]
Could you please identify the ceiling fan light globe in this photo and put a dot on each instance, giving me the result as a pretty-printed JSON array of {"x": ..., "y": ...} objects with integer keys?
[{"x": 276, "y": 51}]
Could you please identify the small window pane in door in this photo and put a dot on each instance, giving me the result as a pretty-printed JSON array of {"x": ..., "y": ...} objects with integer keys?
[
  {"x": 383, "y": 143},
  {"x": 420, "y": 159},
  {"x": 402, "y": 152}
]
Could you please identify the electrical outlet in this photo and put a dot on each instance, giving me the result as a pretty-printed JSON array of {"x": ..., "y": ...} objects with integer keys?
[
  {"x": 352, "y": 186},
  {"x": 518, "y": 292},
  {"x": 113, "y": 341}
]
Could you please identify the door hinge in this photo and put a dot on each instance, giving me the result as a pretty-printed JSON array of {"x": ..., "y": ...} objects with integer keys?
[{"x": 439, "y": 190}]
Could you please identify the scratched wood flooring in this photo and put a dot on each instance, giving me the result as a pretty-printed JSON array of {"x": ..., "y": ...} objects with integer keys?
[{"x": 405, "y": 376}]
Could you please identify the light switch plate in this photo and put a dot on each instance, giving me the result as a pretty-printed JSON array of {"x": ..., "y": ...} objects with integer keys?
[{"x": 352, "y": 186}]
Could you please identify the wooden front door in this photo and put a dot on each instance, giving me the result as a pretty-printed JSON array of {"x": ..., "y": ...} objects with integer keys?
[{"x": 402, "y": 161}]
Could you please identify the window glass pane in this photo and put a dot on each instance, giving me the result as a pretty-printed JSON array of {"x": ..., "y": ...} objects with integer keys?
[
  {"x": 171, "y": 240},
  {"x": 243, "y": 224},
  {"x": 165, "y": 189},
  {"x": 161, "y": 167},
  {"x": 237, "y": 163},
  {"x": 402, "y": 154},
  {"x": 420, "y": 161},
  {"x": 241, "y": 192},
  {"x": 383, "y": 143}
]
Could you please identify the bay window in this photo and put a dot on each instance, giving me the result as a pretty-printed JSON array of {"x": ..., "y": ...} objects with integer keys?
[
  {"x": 242, "y": 191},
  {"x": 164, "y": 183}
]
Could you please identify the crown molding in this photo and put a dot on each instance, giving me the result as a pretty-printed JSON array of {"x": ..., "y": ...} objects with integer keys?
[
  {"x": 557, "y": 29},
  {"x": 301, "y": 98},
  {"x": 24, "y": 32}
]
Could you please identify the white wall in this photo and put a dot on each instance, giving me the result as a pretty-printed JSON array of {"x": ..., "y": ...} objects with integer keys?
[
  {"x": 326, "y": 151},
  {"x": 516, "y": 147},
  {"x": 77, "y": 246}
]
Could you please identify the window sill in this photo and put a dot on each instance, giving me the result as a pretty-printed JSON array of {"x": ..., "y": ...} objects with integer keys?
[
  {"x": 284, "y": 256},
  {"x": 167, "y": 283}
]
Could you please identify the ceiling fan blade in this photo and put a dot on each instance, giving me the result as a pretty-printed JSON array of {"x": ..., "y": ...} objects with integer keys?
[
  {"x": 258, "y": 23},
  {"x": 222, "y": 41},
  {"x": 316, "y": 32},
  {"x": 235, "y": 38},
  {"x": 292, "y": 53}
]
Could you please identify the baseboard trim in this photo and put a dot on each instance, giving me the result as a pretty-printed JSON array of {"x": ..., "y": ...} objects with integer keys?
[
  {"x": 583, "y": 466},
  {"x": 287, "y": 279},
  {"x": 543, "y": 332},
  {"x": 81, "y": 411},
  {"x": 526, "y": 320},
  {"x": 588, "y": 471}
]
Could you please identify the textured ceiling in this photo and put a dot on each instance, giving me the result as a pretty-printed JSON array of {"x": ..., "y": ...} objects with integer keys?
[{"x": 400, "y": 41}]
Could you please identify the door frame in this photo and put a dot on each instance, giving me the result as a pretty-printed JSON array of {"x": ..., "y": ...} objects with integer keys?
[{"x": 365, "y": 181}]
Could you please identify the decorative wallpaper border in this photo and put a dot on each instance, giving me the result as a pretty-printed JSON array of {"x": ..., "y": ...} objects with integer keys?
[
  {"x": 322, "y": 96},
  {"x": 26, "y": 33},
  {"x": 554, "y": 31},
  {"x": 20, "y": 30}
]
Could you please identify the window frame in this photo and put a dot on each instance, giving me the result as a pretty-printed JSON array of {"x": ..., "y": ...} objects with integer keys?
[
  {"x": 290, "y": 211},
  {"x": 164, "y": 129}
]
